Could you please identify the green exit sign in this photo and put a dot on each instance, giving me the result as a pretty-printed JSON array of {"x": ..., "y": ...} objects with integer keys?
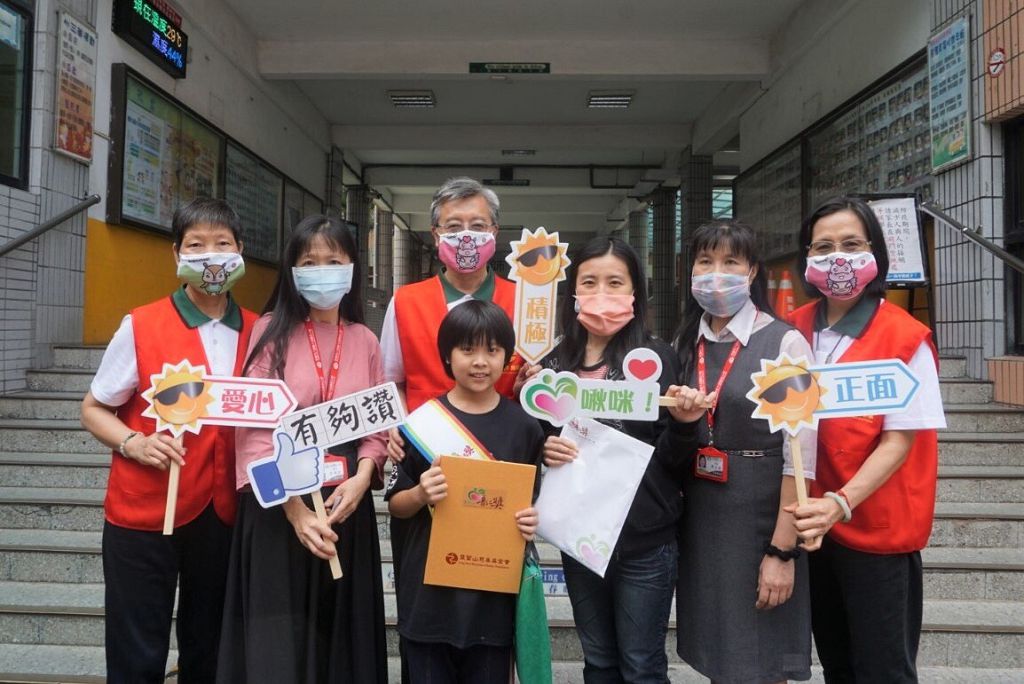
[{"x": 510, "y": 67}]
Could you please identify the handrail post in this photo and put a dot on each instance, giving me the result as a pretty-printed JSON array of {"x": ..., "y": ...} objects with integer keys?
[
  {"x": 51, "y": 223},
  {"x": 1010, "y": 260}
]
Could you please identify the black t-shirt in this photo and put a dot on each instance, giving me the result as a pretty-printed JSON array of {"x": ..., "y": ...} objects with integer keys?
[{"x": 459, "y": 617}]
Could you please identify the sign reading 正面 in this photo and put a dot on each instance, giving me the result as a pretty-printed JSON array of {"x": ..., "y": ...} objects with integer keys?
[{"x": 153, "y": 33}]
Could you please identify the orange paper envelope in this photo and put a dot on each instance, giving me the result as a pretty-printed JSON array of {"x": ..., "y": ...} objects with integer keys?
[{"x": 474, "y": 541}]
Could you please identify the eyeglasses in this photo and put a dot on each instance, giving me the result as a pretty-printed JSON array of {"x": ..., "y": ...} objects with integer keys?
[
  {"x": 823, "y": 247},
  {"x": 456, "y": 227}
]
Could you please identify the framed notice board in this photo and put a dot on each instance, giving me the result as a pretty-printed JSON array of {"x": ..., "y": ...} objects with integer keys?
[{"x": 904, "y": 238}]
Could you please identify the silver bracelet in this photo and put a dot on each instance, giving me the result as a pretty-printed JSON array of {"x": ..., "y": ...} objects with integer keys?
[
  {"x": 121, "y": 446},
  {"x": 847, "y": 512}
]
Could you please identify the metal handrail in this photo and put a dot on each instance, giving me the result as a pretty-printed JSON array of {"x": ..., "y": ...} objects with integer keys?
[
  {"x": 974, "y": 236},
  {"x": 47, "y": 225}
]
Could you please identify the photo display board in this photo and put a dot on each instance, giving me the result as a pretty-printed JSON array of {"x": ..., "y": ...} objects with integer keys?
[
  {"x": 768, "y": 197},
  {"x": 256, "y": 192}
]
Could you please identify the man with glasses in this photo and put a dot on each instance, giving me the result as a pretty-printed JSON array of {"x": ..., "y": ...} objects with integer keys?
[{"x": 464, "y": 224}]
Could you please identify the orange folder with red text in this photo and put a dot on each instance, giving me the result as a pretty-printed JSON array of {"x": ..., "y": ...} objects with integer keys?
[{"x": 474, "y": 540}]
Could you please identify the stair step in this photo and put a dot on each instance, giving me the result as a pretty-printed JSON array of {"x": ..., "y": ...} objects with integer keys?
[
  {"x": 46, "y": 405},
  {"x": 965, "y": 391},
  {"x": 60, "y": 380},
  {"x": 981, "y": 484},
  {"x": 981, "y": 448},
  {"x": 984, "y": 418},
  {"x": 68, "y": 436},
  {"x": 40, "y": 469},
  {"x": 80, "y": 357},
  {"x": 952, "y": 366}
]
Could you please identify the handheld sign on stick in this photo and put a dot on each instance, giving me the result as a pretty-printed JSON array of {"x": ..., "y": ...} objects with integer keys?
[
  {"x": 301, "y": 439},
  {"x": 538, "y": 264},
  {"x": 183, "y": 398}
]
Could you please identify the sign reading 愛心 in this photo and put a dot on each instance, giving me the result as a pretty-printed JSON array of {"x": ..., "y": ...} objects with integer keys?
[
  {"x": 949, "y": 101},
  {"x": 153, "y": 33}
]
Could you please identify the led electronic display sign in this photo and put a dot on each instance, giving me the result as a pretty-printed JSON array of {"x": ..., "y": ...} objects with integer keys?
[{"x": 154, "y": 33}]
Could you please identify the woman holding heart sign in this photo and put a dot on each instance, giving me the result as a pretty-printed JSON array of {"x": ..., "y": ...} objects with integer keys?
[
  {"x": 743, "y": 610},
  {"x": 622, "y": 618}
]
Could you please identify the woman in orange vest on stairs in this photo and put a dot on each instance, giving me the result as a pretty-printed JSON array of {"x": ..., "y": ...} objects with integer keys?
[
  {"x": 874, "y": 496},
  {"x": 141, "y": 567}
]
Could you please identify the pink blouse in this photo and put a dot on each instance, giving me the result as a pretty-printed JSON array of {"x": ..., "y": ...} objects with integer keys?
[{"x": 360, "y": 368}]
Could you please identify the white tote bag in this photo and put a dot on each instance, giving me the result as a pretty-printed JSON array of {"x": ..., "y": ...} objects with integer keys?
[{"x": 583, "y": 505}]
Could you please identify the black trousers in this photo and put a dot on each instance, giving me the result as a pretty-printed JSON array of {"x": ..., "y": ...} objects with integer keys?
[
  {"x": 140, "y": 571},
  {"x": 866, "y": 614},
  {"x": 437, "y": 663}
]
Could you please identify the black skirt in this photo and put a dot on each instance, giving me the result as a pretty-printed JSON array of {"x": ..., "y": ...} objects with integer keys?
[{"x": 286, "y": 619}]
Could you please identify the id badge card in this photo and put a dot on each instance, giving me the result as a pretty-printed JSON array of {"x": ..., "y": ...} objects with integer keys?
[
  {"x": 335, "y": 470},
  {"x": 712, "y": 464}
]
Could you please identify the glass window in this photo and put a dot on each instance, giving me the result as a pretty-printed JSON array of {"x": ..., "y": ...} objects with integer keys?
[{"x": 15, "y": 67}]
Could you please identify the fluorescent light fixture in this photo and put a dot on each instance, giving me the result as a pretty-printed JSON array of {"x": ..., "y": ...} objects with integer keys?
[
  {"x": 610, "y": 99},
  {"x": 518, "y": 153},
  {"x": 412, "y": 99}
]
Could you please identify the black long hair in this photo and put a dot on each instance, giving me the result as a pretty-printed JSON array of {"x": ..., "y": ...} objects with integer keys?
[
  {"x": 288, "y": 307},
  {"x": 571, "y": 351},
  {"x": 740, "y": 239},
  {"x": 866, "y": 215}
]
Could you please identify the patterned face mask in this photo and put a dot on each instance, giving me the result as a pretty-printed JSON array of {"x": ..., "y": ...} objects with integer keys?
[
  {"x": 213, "y": 273},
  {"x": 839, "y": 275},
  {"x": 466, "y": 251},
  {"x": 721, "y": 294}
]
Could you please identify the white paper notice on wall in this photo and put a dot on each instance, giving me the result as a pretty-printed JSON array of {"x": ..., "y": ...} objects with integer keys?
[{"x": 899, "y": 219}]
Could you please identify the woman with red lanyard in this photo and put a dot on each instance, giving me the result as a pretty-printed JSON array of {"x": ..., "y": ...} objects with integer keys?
[
  {"x": 285, "y": 618},
  {"x": 742, "y": 607},
  {"x": 876, "y": 475}
]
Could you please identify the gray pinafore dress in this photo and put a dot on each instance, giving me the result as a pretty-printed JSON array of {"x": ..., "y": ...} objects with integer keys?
[{"x": 723, "y": 532}]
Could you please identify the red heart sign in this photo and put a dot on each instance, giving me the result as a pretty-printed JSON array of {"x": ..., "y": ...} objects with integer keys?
[{"x": 642, "y": 369}]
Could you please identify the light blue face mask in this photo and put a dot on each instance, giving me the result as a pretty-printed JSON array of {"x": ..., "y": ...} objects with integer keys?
[
  {"x": 323, "y": 286},
  {"x": 721, "y": 294}
]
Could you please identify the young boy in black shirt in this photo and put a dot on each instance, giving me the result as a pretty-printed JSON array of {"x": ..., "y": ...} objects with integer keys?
[{"x": 448, "y": 634}]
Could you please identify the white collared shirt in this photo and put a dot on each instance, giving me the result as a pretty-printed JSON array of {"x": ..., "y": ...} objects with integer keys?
[{"x": 741, "y": 326}]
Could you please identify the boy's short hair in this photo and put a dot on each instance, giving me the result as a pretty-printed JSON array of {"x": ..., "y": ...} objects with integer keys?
[
  {"x": 204, "y": 210},
  {"x": 472, "y": 323}
]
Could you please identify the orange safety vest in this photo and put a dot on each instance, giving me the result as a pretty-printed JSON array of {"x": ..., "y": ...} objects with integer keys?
[
  {"x": 897, "y": 518},
  {"x": 419, "y": 310},
  {"x": 136, "y": 493}
]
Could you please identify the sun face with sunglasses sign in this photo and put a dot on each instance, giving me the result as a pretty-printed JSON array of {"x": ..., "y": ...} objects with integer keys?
[
  {"x": 178, "y": 398},
  {"x": 788, "y": 393},
  {"x": 539, "y": 259}
]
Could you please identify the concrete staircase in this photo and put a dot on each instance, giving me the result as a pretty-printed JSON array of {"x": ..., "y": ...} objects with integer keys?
[{"x": 53, "y": 474}]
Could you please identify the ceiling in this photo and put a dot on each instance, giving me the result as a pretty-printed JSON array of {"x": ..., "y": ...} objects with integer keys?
[{"x": 690, "y": 64}]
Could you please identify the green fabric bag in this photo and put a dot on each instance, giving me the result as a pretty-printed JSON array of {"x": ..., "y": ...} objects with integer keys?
[{"x": 533, "y": 642}]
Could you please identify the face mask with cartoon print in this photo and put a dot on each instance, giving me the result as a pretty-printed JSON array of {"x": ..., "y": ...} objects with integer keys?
[{"x": 212, "y": 273}]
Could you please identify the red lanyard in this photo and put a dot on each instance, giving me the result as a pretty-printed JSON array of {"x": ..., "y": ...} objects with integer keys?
[
  {"x": 702, "y": 380},
  {"x": 326, "y": 386}
]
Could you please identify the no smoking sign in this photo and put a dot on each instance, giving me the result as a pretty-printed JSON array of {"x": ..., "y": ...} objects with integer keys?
[{"x": 996, "y": 62}]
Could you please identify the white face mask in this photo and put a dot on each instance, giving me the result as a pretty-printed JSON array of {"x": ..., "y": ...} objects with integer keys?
[
  {"x": 323, "y": 286},
  {"x": 213, "y": 272}
]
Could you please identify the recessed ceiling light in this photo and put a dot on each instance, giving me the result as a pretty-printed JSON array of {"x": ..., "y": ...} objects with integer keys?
[
  {"x": 610, "y": 99},
  {"x": 518, "y": 153},
  {"x": 412, "y": 99}
]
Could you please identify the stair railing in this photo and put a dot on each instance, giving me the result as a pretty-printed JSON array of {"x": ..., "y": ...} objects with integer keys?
[
  {"x": 934, "y": 210},
  {"x": 47, "y": 225}
]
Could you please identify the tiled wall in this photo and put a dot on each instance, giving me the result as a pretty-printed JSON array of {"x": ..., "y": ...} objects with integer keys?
[
  {"x": 41, "y": 298},
  {"x": 1002, "y": 26}
]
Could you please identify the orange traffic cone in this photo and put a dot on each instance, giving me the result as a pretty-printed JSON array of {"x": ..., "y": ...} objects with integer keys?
[{"x": 784, "y": 296}]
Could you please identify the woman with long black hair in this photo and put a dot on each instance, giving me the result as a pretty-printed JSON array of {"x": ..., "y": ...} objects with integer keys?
[
  {"x": 742, "y": 606},
  {"x": 285, "y": 618}
]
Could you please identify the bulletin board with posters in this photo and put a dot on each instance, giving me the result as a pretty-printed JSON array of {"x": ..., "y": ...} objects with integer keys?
[
  {"x": 165, "y": 155},
  {"x": 768, "y": 197}
]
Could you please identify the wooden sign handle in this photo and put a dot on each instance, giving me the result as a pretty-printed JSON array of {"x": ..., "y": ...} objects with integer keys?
[
  {"x": 321, "y": 514},
  {"x": 798, "y": 470},
  {"x": 172, "y": 497}
]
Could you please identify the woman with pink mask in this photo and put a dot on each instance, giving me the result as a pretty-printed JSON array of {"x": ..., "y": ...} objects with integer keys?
[
  {"x": 622, "y": 618},
  {"x": 873, "y": 500}
]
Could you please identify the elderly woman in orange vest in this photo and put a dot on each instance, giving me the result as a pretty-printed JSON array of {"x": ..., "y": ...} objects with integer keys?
[
  {"x": 202, "y": 324},
  {"x": 874, "y": 496}
]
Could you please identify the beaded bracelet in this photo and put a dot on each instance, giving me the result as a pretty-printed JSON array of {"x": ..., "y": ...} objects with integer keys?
[{"x": 774, "y": 551}]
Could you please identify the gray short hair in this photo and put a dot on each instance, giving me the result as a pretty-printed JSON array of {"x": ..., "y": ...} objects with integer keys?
[{"x": 459, "y": 189}]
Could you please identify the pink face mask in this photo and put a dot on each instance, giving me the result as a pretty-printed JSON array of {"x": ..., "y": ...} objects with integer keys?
[
  {"x": 840, "y": 275},
  {"x": 466, "y": 251},
  {"x": 604, "y": 314}
]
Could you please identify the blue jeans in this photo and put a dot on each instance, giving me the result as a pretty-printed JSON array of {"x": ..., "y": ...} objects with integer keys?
[{"x": 622, "y": 619}]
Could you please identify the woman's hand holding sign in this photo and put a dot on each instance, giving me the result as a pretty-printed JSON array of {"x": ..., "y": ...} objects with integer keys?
[{"x": 690, "y": 403}]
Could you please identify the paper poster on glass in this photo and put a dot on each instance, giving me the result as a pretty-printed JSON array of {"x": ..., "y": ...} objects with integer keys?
[
  {"x": 899, "y": 220},
  {"x": 76, "y": 78},
  {"x": 949, "y": 65}
]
